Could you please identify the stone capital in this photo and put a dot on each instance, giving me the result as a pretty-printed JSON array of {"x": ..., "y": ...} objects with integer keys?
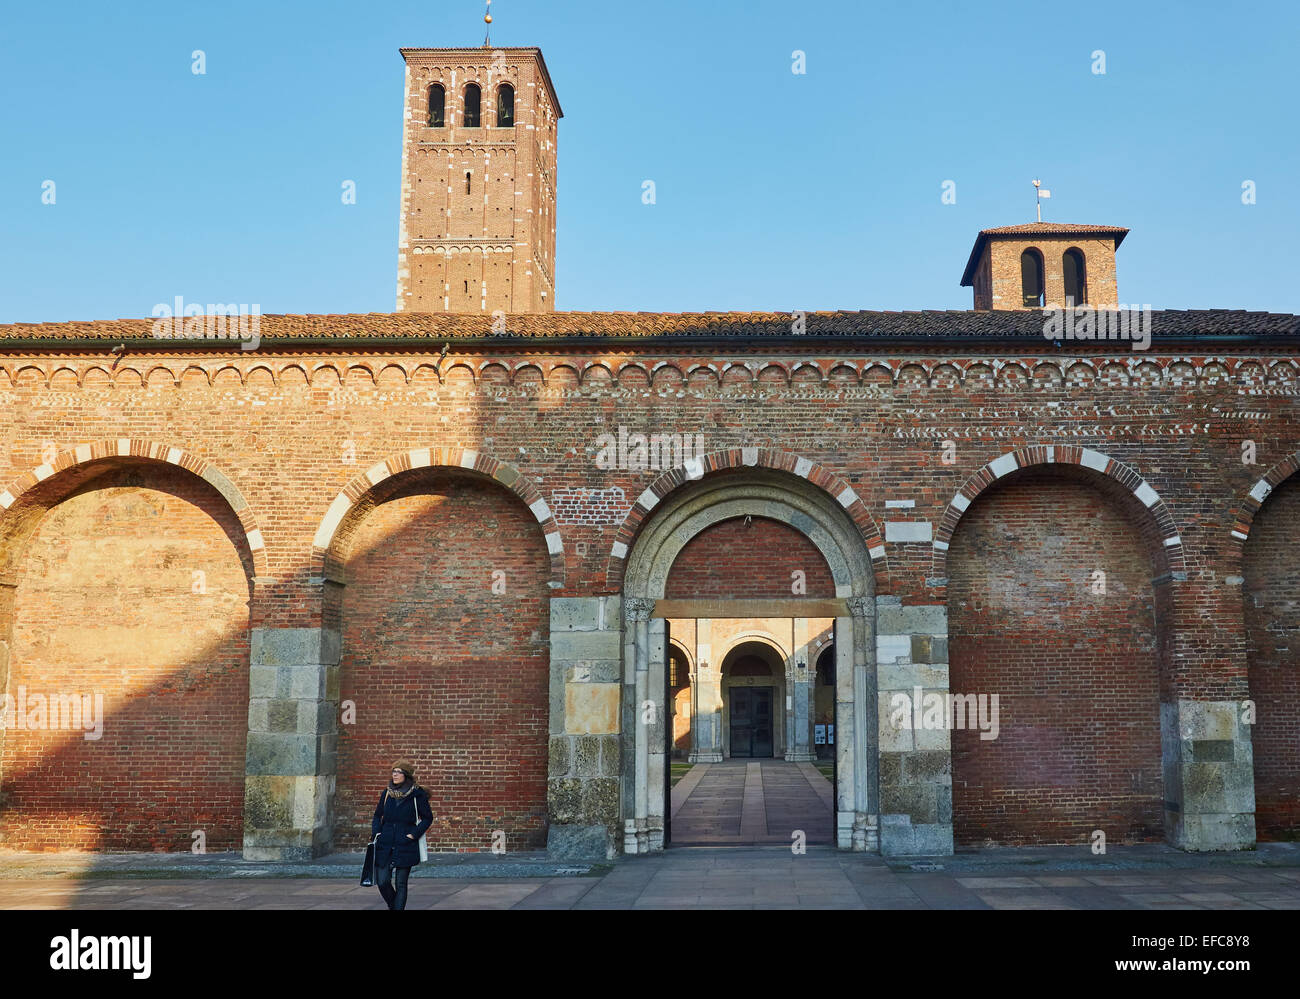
[{"x": 860, "y": 606}]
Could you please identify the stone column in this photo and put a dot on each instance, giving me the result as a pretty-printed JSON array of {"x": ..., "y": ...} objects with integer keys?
[
  {"x": 856, "y": 812},
  {"x": 798, "y": 743},
  {"x": 635, "y": 737},
  {"x": 915, "y": 761},
  {"x": 654, "y": 719},
  {"x": 846, "y": 760},
  {"x": 585, "y": 755},
  {"x": 292, "y": 757},
  {"x": 706, "y": 700}
]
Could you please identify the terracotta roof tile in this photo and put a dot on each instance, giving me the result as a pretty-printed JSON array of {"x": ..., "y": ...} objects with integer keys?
[{"x": 875, "y": 326}]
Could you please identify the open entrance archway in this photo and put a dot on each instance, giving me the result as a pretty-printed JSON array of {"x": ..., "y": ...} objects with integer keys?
[{"x": 758, "y": 546}]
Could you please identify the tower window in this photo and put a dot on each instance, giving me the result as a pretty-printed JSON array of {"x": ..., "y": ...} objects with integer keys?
[
  {"x": 473, "y": 97},
  {"x": 437, "y": 106},
  {"x": 1031, "y": 278},
  {"x": 1076, "y": 278},
  {"x": 505, "y": 106},
  {"x": 467, "y": 178}
]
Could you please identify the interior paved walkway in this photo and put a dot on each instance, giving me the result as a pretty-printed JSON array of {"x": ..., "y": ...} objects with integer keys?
[{"x": 751, "y": 803}]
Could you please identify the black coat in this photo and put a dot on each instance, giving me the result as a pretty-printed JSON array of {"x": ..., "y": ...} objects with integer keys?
[{"x": 393, "y": 820}]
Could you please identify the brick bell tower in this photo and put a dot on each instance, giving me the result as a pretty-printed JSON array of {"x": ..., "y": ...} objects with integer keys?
[
  {"x": 479, "y": 130},
  {"x": 1044, "y": 265}
]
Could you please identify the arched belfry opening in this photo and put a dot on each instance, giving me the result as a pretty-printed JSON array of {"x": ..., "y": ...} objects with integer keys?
[{"x": 748, "y": 575}]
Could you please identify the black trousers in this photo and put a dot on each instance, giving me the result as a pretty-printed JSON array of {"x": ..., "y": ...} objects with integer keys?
[{"x": 394, "y": 895}]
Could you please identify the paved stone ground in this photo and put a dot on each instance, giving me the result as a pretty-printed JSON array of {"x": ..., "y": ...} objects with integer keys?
[
  {"x": 751, "y": 802},
  {"x": 1148, "y": 877}
]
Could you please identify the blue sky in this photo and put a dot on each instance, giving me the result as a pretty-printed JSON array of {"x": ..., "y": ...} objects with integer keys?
[{"x": 774, "y": 190}]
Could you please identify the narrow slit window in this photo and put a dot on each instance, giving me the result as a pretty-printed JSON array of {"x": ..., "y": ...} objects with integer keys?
[
  {"x": 467, "y": 178},
  {"x": 473, "y": 98}
]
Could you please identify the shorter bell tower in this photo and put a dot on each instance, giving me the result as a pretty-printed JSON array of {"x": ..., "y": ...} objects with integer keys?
[{"x": 1044, "y": 265}]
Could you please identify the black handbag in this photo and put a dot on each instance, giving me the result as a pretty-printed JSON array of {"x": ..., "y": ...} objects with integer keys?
[{"x": 368, "y": 865}]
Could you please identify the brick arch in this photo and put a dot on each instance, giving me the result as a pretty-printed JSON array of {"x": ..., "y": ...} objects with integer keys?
[
  {"x": 135, "y": 447},
  {"x": 440, "y": 457},
  {"x": 747, "y": 457},
  {"x": 1059, "y": 455},
  {"x": 1259, "y": 492}
]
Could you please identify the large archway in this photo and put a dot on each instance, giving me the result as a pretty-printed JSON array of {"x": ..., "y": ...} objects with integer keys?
[
  {"x": 1054, "y": 622},
  {"x": 126, "y": 576},
  {"x": 440, "y": 580},
  {"x": 1271, "y": 595},
  {"x": 793, "y": 504}
]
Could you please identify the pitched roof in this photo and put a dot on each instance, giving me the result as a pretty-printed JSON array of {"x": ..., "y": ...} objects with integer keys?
[
  {"x": 1035, "y": 229},
  {"x": 435, "y": 328}
]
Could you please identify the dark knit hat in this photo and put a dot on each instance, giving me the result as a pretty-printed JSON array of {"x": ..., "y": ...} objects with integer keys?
[{"x": 407, "y": 767}]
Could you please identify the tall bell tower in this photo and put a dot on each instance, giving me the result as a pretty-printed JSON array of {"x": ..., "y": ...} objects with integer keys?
[{"x": 478, "y": 182}]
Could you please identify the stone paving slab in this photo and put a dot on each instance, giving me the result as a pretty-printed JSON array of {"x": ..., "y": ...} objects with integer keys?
[
  {"x": 345, "y": 865},
  {"x": 750, "y": 877},
  {"x": 752, "y": 802}
]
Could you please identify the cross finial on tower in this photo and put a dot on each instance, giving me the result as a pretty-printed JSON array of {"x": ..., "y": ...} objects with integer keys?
[
  {"x": 487, "y": 19},
  {"x": 1040, "y": 193}
]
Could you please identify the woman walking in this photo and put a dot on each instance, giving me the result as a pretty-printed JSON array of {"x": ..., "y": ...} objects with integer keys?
[{"x": 401, "y": 818}]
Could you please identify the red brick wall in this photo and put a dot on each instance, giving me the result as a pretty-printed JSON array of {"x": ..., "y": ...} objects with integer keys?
[
  {"x": 732, "y": 560},
  {"x": 1272, "y": 598},
  {"x": 292, "y": 427},
  {"x": 442, "y": 670},
  {"x": 105, "y": 604},
  {"x": 1077, "y": 673}
]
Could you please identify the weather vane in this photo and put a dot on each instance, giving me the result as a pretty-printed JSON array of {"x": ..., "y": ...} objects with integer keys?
[
  {"x": 1041, "y": 193},
  {"x": 487, "y": 19}
]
